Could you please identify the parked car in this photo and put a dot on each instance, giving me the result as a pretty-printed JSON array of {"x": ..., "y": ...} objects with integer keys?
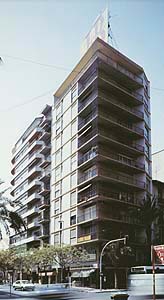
[{"x": 23, "y": 285}]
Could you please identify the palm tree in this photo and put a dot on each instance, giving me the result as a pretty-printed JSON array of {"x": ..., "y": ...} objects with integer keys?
[{"x": 8, "y": 217}]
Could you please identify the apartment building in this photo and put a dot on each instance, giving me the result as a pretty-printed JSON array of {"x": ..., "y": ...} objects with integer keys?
[
  {"x": 31, "y": 163},
  {"x": 158, "y": 195},
  {"x": 101, "y": 155}
]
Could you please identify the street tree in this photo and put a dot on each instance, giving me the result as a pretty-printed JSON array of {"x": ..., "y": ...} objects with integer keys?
[{"x": 9, "y": 218}]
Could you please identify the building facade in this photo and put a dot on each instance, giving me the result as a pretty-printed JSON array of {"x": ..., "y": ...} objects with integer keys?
[
  {"x": 101, "y": 154},
  {"x": 158, "y": 194},
  {"x": 31, "y": 163}
]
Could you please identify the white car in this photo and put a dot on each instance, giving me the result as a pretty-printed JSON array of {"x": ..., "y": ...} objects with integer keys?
[{"x": 23, "y": 285}]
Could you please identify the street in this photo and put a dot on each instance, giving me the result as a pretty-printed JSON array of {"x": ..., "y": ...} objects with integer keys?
[{"x": 44, "y": 292}]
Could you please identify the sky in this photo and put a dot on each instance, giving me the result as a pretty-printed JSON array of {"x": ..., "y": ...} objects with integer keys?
[{"x": 40, "y": 44}]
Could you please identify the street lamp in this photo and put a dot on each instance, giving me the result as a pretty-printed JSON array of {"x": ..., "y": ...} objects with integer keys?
[{"x": 102, "y": 252}]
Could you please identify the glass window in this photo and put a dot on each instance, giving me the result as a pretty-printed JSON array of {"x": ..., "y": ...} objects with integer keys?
[
  {"x": 73, "y": 236},
  {"x": 73, "y": 162},
  {"x": 58, "y": 126},
  {"x": 66, "y": 117},
  {"x": 57, "y": 173},
  {"x": 73, "y": 145},
  {"x": 56, "y": 206},
  {"x": 56, "y": 223},
  {"x": 67, "y": 101},
  {"x": 74, "y": 110},
  {"x": 146, "y": 131},
  {"x": 58, "y": 157},
  {"x": 58, "y": 142},
  {"x": 57, "y": 190},
  {"x": 74, "y": 93},
  {"x": 58, "y": 111},
  {"x": 66, "y": 134},
  {"x": 74, "y": 128},
  {"x": 147, "y": 150},
  {"x": 56, "y": 238},
  {"x": 66, "y": 150},
  {"x": 73, "y": 217},
  {"x": 73, "y": 180},
  {"x": 66, "y": 167},
  {"x": 73, "y": 198}
]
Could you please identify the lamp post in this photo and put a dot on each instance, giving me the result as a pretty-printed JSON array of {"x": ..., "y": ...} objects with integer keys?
[
  {"x": 102, "y": 252},
  {"x": 61, "y": 226}
]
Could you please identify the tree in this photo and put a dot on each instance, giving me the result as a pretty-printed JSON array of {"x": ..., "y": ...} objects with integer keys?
[{"x": 8, "y": 217}]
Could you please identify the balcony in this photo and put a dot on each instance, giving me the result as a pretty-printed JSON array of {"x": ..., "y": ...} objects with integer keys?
[
  {"x": 111, "y": 176},
  {"x": 45, "y": 149},
  {"x": 89, "y": 99},
  {"x": 45, "y": 175},
  {"x": 30, "y": 212},
  {"x": 44, "y": 234},
  {"x": 31, "y": 198},
  {"x": 45, "y": 189},
  {"x": 45, "y": 136},
  {"x": 111, "y": 100},
  {"x": 33, "y": 224},
  {"x": 89, "y": 118},
  {"x": 44, "y": 219},
  {"x": 119, "y": 90},
  {"x": 109, "y": 156},
  {"x": 127, "y": 77},
  {"x": 45, "y": 161},
  {"x": 87, "y": 237},
  {"x": 127, "y": 146},
  {"x": 83, "y": 217},
  {"x": 91, "y": 194},
  {"x": 45, "y": 203},
  {"x": 86, "y": 83}
]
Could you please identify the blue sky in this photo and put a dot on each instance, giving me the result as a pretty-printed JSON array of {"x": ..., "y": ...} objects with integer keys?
[{"x": 50, "y": 32}]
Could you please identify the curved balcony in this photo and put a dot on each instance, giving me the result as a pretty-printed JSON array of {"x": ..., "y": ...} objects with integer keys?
[{"x": 44, "y": 203}]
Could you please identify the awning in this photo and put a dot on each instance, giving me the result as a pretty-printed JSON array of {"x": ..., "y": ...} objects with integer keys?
[{"x": 82, "y": 274}]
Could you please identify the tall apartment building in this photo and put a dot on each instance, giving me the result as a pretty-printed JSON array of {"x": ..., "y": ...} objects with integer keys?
[
  {"x": 101, "y": 153},
  {"x": 158, "y": 194},
  {"x": 31, "y": 181}
]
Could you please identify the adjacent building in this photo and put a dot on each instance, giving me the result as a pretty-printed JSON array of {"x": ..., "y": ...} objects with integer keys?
[
  {"x": 101, "y": 155},
  {"x": 31, "y": 163},
  {"x": 158, "y": 196}
]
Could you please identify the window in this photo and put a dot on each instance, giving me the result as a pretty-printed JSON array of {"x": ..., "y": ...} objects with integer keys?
[
  {"x": 56, "y": 238},
  {"x": 56, "y": 223},
  {"x": 147, "y": 150},
  {"x": 74, "y": 93},
  {"x": 58, "y": 111},
  {"x": 74, "y": 128},
  {"x": 146, "y": 132},
  {"x": 73, "y": 198},
  {"x": 73, "y": 180},
  {"x": 66, "y": 167},
  {"x": 73, "y": 162},
  {"x": 57, "y": 173},
  {"x": 58, "y": 142},
  {"x": 66, "y": 134},
  {"x": 73, "y": 145},
  {"x": 74, "y": 110},
  {"x": 66, "y": 117},
  {"x": 57, "y": 190},
  {"x": 66, "y": 150},
  {"x": 58, "y": 126},
  {"x": 73, "y": 217},
  {"x": 73, "y": 236},
  {"x": 58, "y": 157},
  {"x": 56, "y": 207}
]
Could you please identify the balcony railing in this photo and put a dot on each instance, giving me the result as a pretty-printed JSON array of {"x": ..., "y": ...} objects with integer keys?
[
  {"x": 106, "y": 193},
  {"x": 87, "y": 119},
  {"x": 89, "y": 99},
  {"x": 114, "y": 156},
  {"x": 113, "y": 176},
  {"x": 121, "y": 69},
  {"x": 85, "y": 138},
  {"x": 123, "y": 88},
  {"x": 92, "y": 76},
  {"x": 93, "y": 214},
  {"x": 121, "y": 104},
  {"x": 87, "y": 237}
]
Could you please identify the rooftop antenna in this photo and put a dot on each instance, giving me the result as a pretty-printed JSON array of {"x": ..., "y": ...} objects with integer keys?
[{"x": 110, "y": 32}]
